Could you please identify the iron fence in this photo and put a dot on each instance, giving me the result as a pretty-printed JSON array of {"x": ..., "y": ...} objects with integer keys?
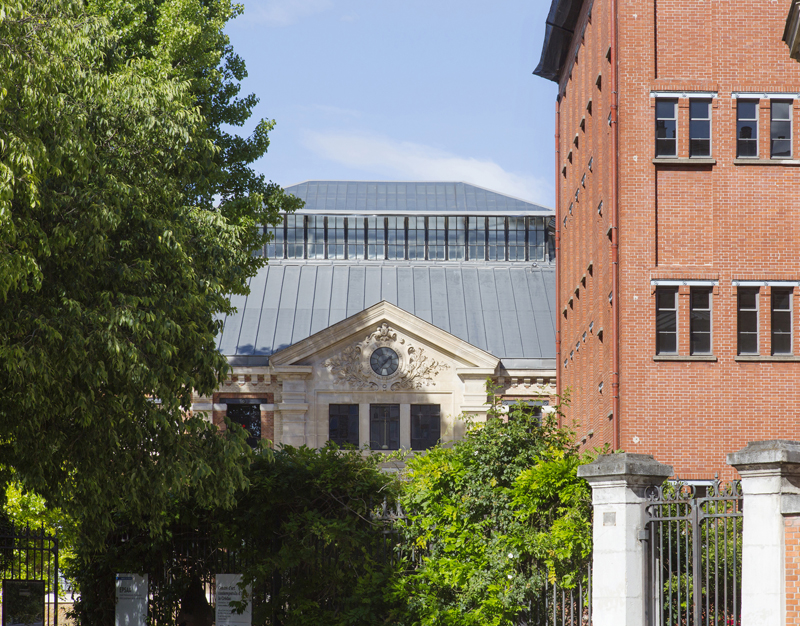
[
  {"x": 693, "y": 565},
  {"x": 557, "y": 606},
  {"x": 31, "y": 554}
]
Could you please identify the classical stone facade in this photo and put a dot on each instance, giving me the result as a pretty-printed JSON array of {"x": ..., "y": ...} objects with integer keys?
[{"x": 391, "y": 349}]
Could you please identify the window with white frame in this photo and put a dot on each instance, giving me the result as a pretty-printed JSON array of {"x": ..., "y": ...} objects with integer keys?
[
  {"x": 781, "y": 320},
  {"x": 700, "y": 128},
  {"x": 666, "y": 128},
  {"x": 747, "y": 320},
  {"x": 666, "y": 320},
  {"x": 700, "y": 320},
  {"x": 780, "y": 129},
  {"x": 747, "y": 128}
]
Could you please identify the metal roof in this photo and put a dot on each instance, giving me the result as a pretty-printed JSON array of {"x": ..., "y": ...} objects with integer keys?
[
  {"x": 559, "y": 30},
  {"x": 506, "y": 310},
  {"x": 408, "y": 198}
]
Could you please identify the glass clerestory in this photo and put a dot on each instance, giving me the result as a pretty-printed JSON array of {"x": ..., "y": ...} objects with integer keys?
[{"x": 414, "y": 238}]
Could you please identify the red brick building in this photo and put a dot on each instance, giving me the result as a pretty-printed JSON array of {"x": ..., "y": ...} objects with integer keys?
[{"x": 678, "y": 178}]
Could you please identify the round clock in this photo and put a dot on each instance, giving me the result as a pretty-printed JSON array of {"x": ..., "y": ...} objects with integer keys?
[{"x": 384, "y": 361}]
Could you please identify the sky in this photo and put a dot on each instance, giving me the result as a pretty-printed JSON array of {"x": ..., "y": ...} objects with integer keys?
[{"x": 402, "y": 90}]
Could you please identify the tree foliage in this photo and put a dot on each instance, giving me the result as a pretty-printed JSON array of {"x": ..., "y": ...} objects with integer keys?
[
  {"x": 302, "y": 533},
  {"x": 127, "y": 217},
  {"x": 491, "y": 518},
  {"x": 308, "y": 519}
]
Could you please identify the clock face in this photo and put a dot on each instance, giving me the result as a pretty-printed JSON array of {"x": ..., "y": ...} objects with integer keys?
[{"x": 384, "y": 361}]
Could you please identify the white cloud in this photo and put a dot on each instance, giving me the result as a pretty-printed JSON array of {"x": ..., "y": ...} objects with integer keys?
[
  {"x": 411, "y": 161},
  {"x": 282, "y": 12}
]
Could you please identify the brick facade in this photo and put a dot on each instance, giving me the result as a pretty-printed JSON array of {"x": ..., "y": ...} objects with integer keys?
[
  {"x": 710, "y": 221},
  {"x": 791, "y": 524}
]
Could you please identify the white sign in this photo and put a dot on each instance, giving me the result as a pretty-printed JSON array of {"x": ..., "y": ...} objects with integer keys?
[
  {"x": 131, "y": 600},
  {"x": 228, "y": 591}
]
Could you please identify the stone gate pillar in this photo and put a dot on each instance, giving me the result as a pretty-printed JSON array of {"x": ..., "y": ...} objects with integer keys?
[
  {"x": 618, "y": 484},
  {"x": 770, "y": 472}
]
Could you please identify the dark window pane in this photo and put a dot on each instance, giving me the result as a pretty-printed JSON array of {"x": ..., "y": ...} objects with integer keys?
[
  {"x": 425, "y": 426},
  {"x": 665, "y": 108},
  {"x": 781, "y": 148},
  {"x": 747, "y": 130},
  {"x": 748, "y": 343},
  {"x": 666, "y": 321},
  {"x": 781, "y": 321},
  {"x": 781, "y": 110},
  {"x": 700, "y": 343},
  {"x": 699, "y": 108},
  {"x": 665, "y": 129},
  {"x": 665, "y": 298},
  {"x": 781, "y": 300},
  {"x": 747, "y": 148},
  {"x": 700, "y": 298},
  {"x": 700, "y": 147},
  {"x": 747, "y": 298},
  {"x": 700, "y": 321},
  {"x": 384, "y": 426},
  {"x": 780, "y": 130},
  {"x": 781, "y": 343},
  {"x": 747, "y": 321},
  {"x": 666, "y": 147},
  {"x": 343, "y": 424},
  {"x": 247, "y": 416},
  {"x": 666, "y": 343},
  {"x": 700, "y": 129},
  {"x": 747, "y": 109}
]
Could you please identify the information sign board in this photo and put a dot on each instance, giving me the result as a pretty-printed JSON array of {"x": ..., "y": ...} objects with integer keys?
[
  {"x": 132, "y": 593},
  {"x": 228, "y": 591}
]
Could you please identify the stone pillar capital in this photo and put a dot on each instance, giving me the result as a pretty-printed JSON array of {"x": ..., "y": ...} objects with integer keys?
[
  {"x": 625, "y": 469},
  {"x": 619, "y": 482},
  {"x": 758, "y": 458},
  {"x": 770, "y": 472}
]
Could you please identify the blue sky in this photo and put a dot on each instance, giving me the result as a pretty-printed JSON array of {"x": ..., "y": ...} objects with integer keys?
[{"x": 402, "y": 90}]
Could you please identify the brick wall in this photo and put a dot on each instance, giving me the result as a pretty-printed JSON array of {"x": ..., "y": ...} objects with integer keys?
[
  {"x": 720, "y": 221},
  {"x": 791, "y": 525},
  {"x": 583, "y": 222}
]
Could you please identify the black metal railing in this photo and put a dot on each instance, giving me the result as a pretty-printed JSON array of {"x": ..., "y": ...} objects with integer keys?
[
  {"x": 693, "y": 545},
  {"x": 31, "y": 554}
]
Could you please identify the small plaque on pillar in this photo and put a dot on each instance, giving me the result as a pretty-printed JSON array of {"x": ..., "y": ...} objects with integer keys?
[
  {"x": 610, "y": 519},
  {"x": 23, "y": 602}
]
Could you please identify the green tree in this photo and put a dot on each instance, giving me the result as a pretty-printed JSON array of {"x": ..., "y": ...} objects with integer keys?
[
  {"x": 303, "y": 533},
  {"x": 127, "y": 218},
  {"x": 492, "y": 517}
]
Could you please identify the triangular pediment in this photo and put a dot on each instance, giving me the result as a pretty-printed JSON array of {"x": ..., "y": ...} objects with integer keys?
[{"x": 368, "y": 321}]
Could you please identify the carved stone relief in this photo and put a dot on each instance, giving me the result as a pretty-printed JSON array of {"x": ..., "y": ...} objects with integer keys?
[{"x": 415, "y": 371}]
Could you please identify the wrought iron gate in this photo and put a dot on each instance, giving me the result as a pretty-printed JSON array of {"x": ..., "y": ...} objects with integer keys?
[
  {"x": 693, "y": 547},
  {"x": 28, "y": 554}
]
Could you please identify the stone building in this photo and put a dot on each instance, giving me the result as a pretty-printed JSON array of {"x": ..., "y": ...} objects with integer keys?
[
  {"x": 384, "y": 309},
  {"x": 678, "y": 230}
]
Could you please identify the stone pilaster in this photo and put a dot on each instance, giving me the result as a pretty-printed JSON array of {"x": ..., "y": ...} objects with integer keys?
[
  {"x": 618, "y": 484},
  {"x": 291, "y": 414},
  {"x": 770, "y": 472}
]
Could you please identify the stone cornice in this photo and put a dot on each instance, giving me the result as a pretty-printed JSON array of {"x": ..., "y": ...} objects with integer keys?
[{"x": 384, "y": 311}]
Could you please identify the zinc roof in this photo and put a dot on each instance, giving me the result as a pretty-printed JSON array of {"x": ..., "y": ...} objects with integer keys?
[
  {"x": 504, "y": 309},
  {"x": 408, "y": 198}
]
